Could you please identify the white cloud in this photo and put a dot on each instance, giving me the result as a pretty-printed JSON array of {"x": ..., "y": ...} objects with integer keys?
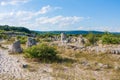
[
  {"x": 36, "y": 21},
  {"x": 59, "y": 20},
  {"x": 80, "y": 28},
  {"x": 12, "y": 2},
  {"x": 44, "y": 9},
  {"x": 33, "y": 21},
  {"x": 99, "y": 28},
  {"x": 26, "y": 15}
]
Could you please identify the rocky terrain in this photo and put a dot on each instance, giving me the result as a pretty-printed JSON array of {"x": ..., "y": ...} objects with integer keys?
[
  {"x": 78, "y": 62},
  {"x": 15, "y": 67}
]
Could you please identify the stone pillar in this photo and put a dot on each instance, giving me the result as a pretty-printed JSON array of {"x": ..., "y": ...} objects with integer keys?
[
  {"x": 30, "y": 42},
  {"x": 16, "y": 47},
  {"x": 81, "y": 41},
  {"x": 63, "y": 38}
]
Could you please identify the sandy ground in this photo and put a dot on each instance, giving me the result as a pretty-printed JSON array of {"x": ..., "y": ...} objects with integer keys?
[{"x": 11, "y": 68}]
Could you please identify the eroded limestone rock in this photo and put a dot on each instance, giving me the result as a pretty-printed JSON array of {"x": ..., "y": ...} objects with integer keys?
[
  {"x": 16, "y": 47},
  {"x": 30, "y": 42}
]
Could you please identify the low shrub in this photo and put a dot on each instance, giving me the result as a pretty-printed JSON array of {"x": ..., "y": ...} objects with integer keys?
[
  {"x": 22, "y": 39},
  {"x": 92, "y": 39},
  {"x": 42, "y": 52},
  {"x": 110, "y": 39}
]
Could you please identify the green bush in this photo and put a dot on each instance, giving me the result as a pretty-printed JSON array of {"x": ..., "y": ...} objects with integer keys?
[
  {"x": 92, "y": 38},
  {"x": 2, "y": 36},
  {"x": 42, "y": 52},
  {"x": 110, "y": 39},
  {"x": 22, "y": 39}
]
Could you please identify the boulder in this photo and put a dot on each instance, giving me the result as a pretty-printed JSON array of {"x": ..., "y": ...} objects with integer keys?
[
  {"x": 24, "y": 65},
  {"x": 30, "y": 42},
  {"x": 16, "y": 47},
  {"x": 80, "y": 41},
  {"x": 115, "y": 51}
]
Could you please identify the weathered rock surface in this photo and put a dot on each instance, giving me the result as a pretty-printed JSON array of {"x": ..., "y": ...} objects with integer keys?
[
  {"x": 64, "y": 40},
  {"x": 104, "y": 49},
  {"x": 115, "y": 51},
  {"x": 30, "y": 42},
  {"x": 81, "y": 40},
  {"x": 16, "y": 47},
  {"x": 63, "y": 37}
]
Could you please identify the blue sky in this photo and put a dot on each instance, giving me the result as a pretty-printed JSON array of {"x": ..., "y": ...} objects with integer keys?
[{"x": 50, "y": 15}]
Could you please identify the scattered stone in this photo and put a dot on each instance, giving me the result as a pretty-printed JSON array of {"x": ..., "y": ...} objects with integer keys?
[
  {"x": 104, "y": 66},
  {"x": 30, "y": 42},
  {"x": 24, "y": 65},
  {"x": 115, "y": 51},
  {"x": 117, "y": 67},
  {"x": 74, "y": 40},
  {"x": 72, "y": 47},
  {"x": 100, "y": 65},
  {"x": 18, "y": 61},
  {"x": 85, "y": 63}
]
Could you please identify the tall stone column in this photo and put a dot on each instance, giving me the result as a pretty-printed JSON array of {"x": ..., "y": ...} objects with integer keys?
[{"x": 63, "y": 38}]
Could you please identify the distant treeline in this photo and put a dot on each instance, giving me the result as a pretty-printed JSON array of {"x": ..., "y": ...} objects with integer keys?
[
  {"x": 13, "y": 28},
  {"x": 70, "y": 32}
]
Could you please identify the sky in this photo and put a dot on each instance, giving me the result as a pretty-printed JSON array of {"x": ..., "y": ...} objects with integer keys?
[{"x": 56, "y": 15}]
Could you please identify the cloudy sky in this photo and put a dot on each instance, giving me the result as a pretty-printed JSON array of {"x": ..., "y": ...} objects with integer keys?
[{"x": 50, "y": 15}]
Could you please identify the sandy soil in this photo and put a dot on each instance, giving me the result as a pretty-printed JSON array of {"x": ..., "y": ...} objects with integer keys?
[{"x": 11, "y": 68}]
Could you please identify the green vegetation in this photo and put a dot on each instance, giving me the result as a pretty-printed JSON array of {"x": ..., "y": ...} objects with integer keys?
[
  {"x": 108, "y": 38},
  {"x": 2, "y": 36},
  {"x": 15, "y": 29},
  {"x": 23, "y": 39},
  {"x": 46, "y": 35},
  {"x": 42, "y": 52},
  {"x": 92, "y": 38}
]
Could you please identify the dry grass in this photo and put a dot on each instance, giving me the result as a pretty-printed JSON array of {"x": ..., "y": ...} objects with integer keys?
[
  {"x": 8, "y": 77},
  {"x": 67, "y": 71}
]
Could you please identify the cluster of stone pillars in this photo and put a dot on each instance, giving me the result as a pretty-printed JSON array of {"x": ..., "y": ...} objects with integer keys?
[{"x": 16, "y": 46}]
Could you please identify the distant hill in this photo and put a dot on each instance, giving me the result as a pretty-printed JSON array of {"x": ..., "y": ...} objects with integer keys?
[
  {"x": 23, "y": 29},
  {"x": 15, "y": 29},
  {"x": 70, "y": 32},
  {"x": 74, "y": 32}
]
